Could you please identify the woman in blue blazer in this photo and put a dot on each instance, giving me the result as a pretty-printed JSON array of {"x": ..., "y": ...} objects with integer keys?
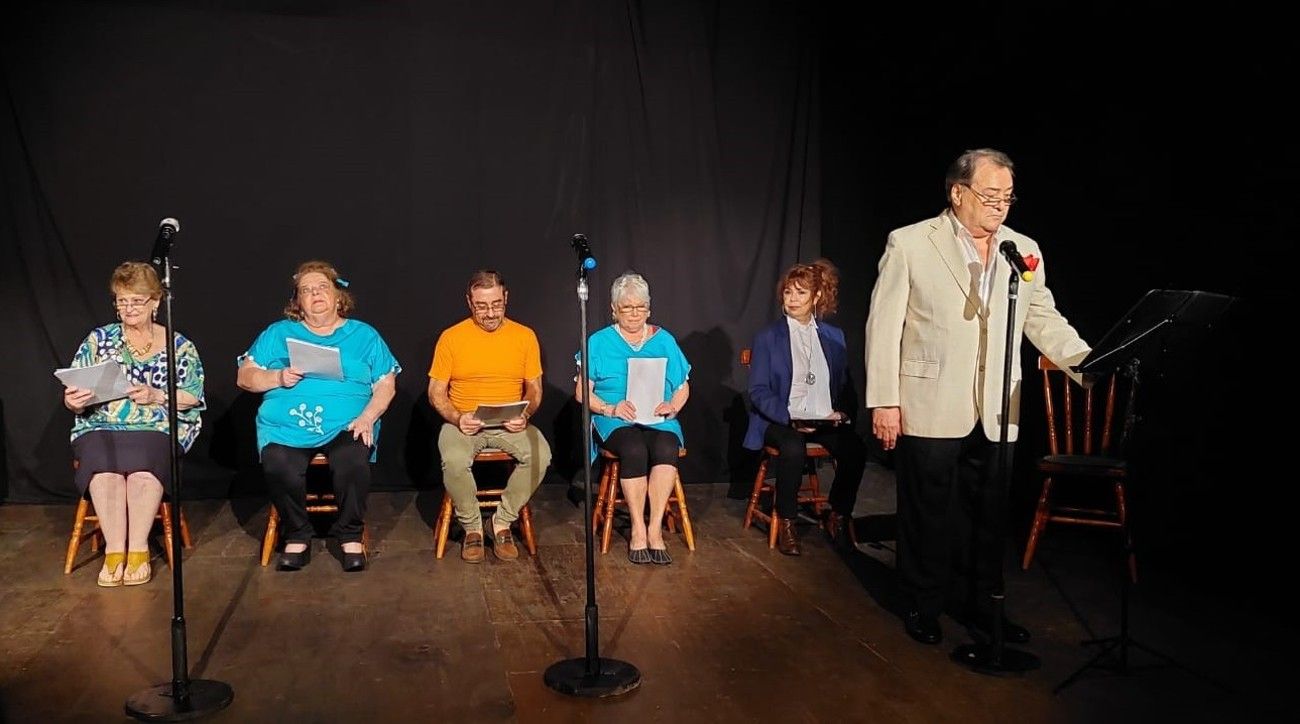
[{"x": 800, "y": 392}]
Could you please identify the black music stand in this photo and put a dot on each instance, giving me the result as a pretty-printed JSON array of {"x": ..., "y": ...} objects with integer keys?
[{"x": 1163, "y": 325}]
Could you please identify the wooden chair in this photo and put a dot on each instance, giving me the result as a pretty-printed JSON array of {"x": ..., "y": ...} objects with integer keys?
[
  {"x": 809, "y": 490},
  {"x": 487, "y": 498},
  {"x": 1085, "y": 440},
  {"x": 317, "y": 502},
  {"x": 86, "y": 513},
  {"x": 611, "y": 494}
]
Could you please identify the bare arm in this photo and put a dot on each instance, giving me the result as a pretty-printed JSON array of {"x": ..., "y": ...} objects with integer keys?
[
  {"x": 255, "y": 379},
  {"x": 440, "y": 398},
  {"x": 675, "y": 403},
  {"x": 381, "y": 395}
]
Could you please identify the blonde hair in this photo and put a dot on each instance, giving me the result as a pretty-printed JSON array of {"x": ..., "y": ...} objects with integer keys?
[
  {"x": 293, "y": 310},
  {"x": 138, "y": 277}
]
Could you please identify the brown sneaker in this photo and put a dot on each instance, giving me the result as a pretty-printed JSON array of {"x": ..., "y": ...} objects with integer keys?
[
  {"x": 787, "y": 541},
  {"x": 503, "y": 545},
  {"x": 471, "y": 549}
]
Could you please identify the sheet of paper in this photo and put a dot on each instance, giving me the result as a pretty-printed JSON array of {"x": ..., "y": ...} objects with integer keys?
[
  {"x": 106, "y": 379},
  {"x": 645, "y": 387},
  {"x": 496, "y": 415},
  {"x": 315, "y": 359}
]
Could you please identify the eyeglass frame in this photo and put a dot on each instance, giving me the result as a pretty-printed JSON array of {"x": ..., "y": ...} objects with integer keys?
[
  {"x": 498, "y": 305},
  {"x": 630, "y": 309},
  {"x": 991, "y": 201},
  {"x": 131, "y": 303}
]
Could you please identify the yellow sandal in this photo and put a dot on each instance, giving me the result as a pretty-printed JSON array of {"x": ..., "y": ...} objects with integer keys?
[
  {"x": 137, "y": 568},
  {"x": 110, "y": 576}
]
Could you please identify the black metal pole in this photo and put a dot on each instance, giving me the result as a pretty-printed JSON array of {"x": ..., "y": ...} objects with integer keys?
[
  {"x": 184, "y": 698},
  {"x": 589, "y": 676},
  {"x": 993, "y": 657}
]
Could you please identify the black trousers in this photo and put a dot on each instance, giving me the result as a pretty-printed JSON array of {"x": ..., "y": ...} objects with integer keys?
[
  {"x": 952, "y": 520},
  {"x": 640, "y": 448},
  {"x": 840, "y": 441},
  {"x": 285, "y": 469}
]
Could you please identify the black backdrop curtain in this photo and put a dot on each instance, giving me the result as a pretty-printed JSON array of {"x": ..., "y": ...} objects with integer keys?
[{"x": 409, "y": 143}]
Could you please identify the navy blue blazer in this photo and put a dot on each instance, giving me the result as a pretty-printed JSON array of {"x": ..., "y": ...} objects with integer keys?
[{"x": 771, "y": 367}]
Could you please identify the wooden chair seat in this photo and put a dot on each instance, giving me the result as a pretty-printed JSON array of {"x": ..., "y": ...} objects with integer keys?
[
  {"x": 487, "y": 498},
  {"x": 317, "y": 502},
  {"x": 610, "y": 494},
  {"x": 86, "y": 514},
  {"x": 1085, "y": 446}
]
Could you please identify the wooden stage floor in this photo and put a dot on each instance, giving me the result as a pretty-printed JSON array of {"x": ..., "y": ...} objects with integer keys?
[{"x": 733, "y": 632}]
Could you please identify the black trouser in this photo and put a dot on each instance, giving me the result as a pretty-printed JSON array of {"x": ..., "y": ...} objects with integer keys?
[
  {"x": 952, "y": 514},
  {"x": 285, "y": 469},
  {"x": 641, "y": 448},
  {"x": 840, "y": 441}
]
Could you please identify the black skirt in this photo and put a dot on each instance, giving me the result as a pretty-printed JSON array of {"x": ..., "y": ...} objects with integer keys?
[{"x": 123, "y": 452}]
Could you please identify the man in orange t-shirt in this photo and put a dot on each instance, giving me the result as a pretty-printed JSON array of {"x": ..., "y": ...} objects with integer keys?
[{"x": 488, "y": 360}]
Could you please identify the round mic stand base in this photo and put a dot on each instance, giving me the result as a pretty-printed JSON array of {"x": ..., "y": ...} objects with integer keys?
[
  {"x": 610, "y": 678},
  {"x": 984, "y": 659},
  {"x": 160, "y": 703}
]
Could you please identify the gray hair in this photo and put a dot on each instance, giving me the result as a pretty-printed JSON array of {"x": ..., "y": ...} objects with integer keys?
[
  {"x": 963, "y": 169},
  {"x": 629, "y": 285}
]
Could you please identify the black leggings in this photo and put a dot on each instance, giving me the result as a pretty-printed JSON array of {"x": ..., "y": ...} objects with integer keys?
[
  {"x": 285, "y": 469},
  {"x": 640, "y": 448},
  {"x": 840, "y": 441}
]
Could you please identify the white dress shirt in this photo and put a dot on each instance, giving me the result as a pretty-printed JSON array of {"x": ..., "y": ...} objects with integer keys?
[{"x": 808, "y": 401}]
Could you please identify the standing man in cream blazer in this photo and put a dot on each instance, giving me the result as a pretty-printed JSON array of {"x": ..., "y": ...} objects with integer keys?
[{"x": 935, "y": 339}]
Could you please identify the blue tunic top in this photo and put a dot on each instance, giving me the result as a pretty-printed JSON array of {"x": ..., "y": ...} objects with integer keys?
[
  {"x": 609, "y": 355},
  {"x": 106, "y": 343},
  {"x": 314, "y": 411}
]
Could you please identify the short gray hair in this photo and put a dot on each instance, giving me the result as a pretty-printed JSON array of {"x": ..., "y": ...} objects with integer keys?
[
  {"x": 629, "y": 284},
  {"x": 963, "y": 169}
]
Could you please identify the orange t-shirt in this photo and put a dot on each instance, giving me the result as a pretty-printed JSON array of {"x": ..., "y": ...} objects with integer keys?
[{"x": 486, "y": 368}]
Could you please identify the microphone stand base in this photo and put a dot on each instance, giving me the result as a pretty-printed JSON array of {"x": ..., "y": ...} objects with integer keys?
[
  {"x": 611, "y": 678},
  {"x": 980, "y": 658},
  {"x": 159, "y": 703}
]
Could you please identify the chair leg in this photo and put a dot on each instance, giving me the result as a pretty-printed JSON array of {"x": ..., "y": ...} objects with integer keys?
[
  {"x": 443, "y": 527},
  {"x": 815, "y": 486},
  {"x": 166, "y": 510},
  {"x": 686, "y": 516},
  {"x": 753, "y": 496},
  {"x": 610, "y": 499},
  {"x": 526, "y": 524},
  {"x": 78, "y": 521},
  {"x": 365, "y": 540},
  {"x": 598, "y": 505},
  {"x": 268, "y": 539},
  {"x": 1040, "y": 522},
  {"x": 1121, "y": 509},
  {"x": 185, "y": 531},
  {"x": 773, "y": 522}
]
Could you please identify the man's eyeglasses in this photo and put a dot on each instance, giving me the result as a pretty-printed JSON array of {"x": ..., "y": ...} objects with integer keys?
[
  {"x": 131, "y": 303},
  {"x": 637, "y": 309},
  {"x": 987, "y": 200},
  {"x": 482, "y": 307}
]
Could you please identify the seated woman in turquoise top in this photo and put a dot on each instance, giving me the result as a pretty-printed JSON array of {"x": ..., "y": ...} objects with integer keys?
[
  {"x": 305, "y": 414},
  {"x": 647, "y": 451},
  {"x": 122, "y": 447}
]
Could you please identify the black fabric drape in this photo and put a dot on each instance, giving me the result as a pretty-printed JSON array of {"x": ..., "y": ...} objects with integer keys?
[{"x": 409, "y": 143}]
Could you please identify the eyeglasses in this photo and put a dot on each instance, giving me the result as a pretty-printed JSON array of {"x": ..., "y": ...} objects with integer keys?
[
  {"x": 131, "y": 303},
  {"x": 637, "y": 309},
  {"x": 987, "y": 200},
  {"x": 317, "y": 289},
  {"x": 481, "y": 307}
]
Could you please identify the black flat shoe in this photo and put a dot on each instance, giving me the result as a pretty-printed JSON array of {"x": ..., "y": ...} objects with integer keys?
[
  {"x": 294, "y": 561},
  {"x": 659, "y": 556},
  {"x": 354, "y": 562},
  {"x": 924, "y": 629},
  {"x": 638, "y": 555}
]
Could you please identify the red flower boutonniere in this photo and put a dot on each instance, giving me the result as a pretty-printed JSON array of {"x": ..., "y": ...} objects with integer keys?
[{"x": 1031, "y": 261}]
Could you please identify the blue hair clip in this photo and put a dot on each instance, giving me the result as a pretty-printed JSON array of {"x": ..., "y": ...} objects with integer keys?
[{"x": 340, "y": 282}]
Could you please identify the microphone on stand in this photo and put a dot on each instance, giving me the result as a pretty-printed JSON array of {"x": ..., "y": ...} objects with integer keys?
[
  {"x": 583, "y": 250},
  {"x": 162, "y": 246},
  {"x": 1008, "y": 249}
]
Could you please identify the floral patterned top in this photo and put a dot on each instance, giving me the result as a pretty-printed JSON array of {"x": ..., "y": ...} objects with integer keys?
[
  {"x": 314, "y": 411},
  {"x": 106, "y": 343}
]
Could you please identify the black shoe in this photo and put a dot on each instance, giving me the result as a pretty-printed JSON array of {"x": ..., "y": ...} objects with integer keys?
[
  {"x": 981, "y": 627},
  {"x": 923, "y": 628},
  {"x": 294, "y": 561},
  {"x": 659, "y": 556},
  {"x": 354, "y": 562}
]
